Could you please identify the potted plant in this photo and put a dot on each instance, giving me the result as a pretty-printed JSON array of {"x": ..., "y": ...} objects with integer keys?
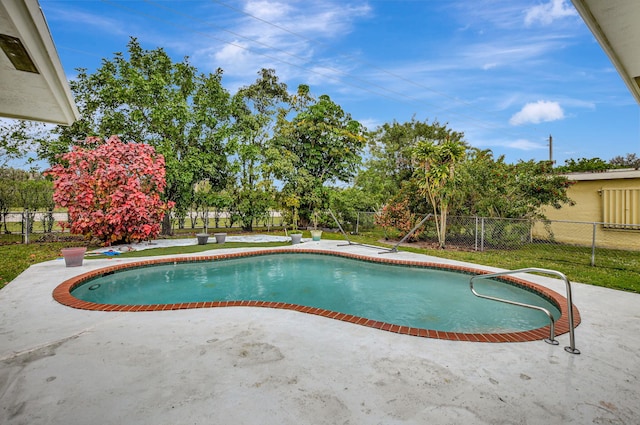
[
  {"x": 315, "y": 233},
  {"x": 73, "y": 256},
  {"x": 202, "y": 238},
  {"x": 220, "y": 237},
  {"x": 296, "y": 235}
]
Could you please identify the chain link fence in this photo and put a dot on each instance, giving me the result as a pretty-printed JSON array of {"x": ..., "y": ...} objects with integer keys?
[
  {"x": 212, "y": 219},
  {"x": 30, "y": 226},
  {"x": 472, "y": 233},
  {"x": 25, "y": 225},
  {"x": 581, "y": 239}
]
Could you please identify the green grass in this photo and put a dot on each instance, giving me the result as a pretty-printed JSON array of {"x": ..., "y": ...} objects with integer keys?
[
  {"x": 192, "y": 249},
  {"x": 16, "y": 258},
  {"x": 614, "y": 268}
]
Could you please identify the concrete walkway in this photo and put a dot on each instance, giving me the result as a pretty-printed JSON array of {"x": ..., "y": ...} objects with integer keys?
[{"x": 240, "y": 365}]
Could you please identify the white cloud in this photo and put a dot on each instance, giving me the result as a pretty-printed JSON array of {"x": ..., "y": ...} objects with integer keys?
[
  {"x": 540, "y": 111},
  {"x": 289, "y": 36},
  {"x": 524, "y": 145},
  {"x": 519, "y": 144},
  {"x": 546, "y": 13},
  {"x": 232, "y": 53},
  {"x": 269, "y": 11}
]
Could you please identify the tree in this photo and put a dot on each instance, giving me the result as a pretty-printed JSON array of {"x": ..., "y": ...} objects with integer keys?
[
  {"x": 438, "y": 163},
  {"x": 391, "y": 164},
  {"x": 319, "y": 144},
  {"x": 254, "y": 110},
  {"x": 583, "y": 164},
  {"x": 18, "y": 137},
  {"x": 347, "y": 202},
  {"x": 493, "y": 188},
  {"x": 111, "y": 189},
  {"x": 10, "y": 180},
  {"x": 631, "y": 160},
  {"x": 170, "y": 106}
]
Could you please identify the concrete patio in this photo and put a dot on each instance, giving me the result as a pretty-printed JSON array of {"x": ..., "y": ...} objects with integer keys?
[{"x": 241, "y": 365}]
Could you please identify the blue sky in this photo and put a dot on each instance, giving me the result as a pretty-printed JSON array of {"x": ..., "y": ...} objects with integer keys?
[{"x": 506, "y": 73}]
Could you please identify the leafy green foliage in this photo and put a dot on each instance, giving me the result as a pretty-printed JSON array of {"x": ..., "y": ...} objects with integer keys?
[
  {"x": 437, "y": 175},
  {"x": 630, "y": 160},
  {"x": 345, "y": 204},
  {"x": 254, "y": 111},
  {"x": 28, "y": 191},
  {"x": 493, "y": 188},
  {"x": 148, "y": 98},
  {"x": 17, "y": 137},
  {"x": 319, "y": 144},
  {"x": 391, "y": 148},
  {"x": 584, "y": 164}
]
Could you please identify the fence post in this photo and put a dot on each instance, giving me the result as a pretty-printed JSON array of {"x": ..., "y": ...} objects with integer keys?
[
  {"x": 593, "y": 246},
  {"x": 482, "y": 235},
  {"x": 531, "y": 224},
  {"x": 25, "y": 226},
  {"x": 475, "y": 247}
]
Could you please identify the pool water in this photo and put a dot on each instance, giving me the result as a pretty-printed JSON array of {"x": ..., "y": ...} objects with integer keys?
[{"x": 406, "y": 296}]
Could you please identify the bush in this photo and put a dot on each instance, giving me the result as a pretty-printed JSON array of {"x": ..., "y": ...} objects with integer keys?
[{"x": 111, "y": 190}]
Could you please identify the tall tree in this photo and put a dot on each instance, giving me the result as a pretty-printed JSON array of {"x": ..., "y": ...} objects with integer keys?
[
  {"x": 254, "y": 112},
  {"x": 493, "y": 188},
  {"x": 315, "y": 142},
  {"x": 391, "y": 164},
  {"x": 148, "y": 98},
  {"x": 438, "y": 162}
]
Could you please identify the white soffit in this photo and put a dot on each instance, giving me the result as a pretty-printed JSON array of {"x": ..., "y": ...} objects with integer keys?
[
  {"x": 616, "y": 26},
  {"x": 40, "y": 90}
]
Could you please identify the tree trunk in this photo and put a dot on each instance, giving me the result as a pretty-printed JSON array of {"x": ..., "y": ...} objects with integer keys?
[{"x": 166, "y": 225}]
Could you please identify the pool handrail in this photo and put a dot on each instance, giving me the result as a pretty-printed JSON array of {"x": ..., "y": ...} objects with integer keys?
[{"x": 551, "y": 340}]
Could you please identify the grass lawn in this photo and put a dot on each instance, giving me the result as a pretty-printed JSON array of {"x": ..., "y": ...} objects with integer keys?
[
  {"x": 614, "y": 268},
  {"x": 16, "y": 258},
  {"x": 191, "y": 249}
]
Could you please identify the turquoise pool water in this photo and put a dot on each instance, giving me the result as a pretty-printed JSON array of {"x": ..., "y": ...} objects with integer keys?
[{"x": 406, "y": 296}]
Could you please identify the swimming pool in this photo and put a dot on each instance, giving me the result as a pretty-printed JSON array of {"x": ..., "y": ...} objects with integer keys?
[{"x": 423, "y": 299}]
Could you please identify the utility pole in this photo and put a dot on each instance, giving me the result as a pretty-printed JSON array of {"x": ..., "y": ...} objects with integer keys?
[{"x": 551, "y": 149}]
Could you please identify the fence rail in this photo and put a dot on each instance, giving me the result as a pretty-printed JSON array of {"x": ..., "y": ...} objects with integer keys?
[
  {"x": 475, "y": 233},
  {"x": 27, "y": 225},
  {"x": 484, "y": 233}
]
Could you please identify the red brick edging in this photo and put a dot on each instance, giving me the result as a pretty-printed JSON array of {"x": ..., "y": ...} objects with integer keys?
[{"x": 62, "y": 294}]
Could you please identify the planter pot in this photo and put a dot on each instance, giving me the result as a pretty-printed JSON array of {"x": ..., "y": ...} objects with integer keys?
[
  {"x": 73, "y": 256},
  {"x": 202, "y": 238},
  {"x": 296, "y": 238},
  {"x": 220, "y": 237},
  {"x": 316, "y": 235}
]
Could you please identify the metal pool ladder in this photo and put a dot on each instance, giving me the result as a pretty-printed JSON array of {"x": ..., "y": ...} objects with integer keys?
[{"x": 551, "y": 340}]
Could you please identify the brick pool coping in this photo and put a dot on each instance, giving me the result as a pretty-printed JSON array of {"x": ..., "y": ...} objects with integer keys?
[{"x": 62, "y": 294}]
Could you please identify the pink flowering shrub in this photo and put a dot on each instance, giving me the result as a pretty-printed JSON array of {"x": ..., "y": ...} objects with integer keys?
[{"x": 111, "y": 189}]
